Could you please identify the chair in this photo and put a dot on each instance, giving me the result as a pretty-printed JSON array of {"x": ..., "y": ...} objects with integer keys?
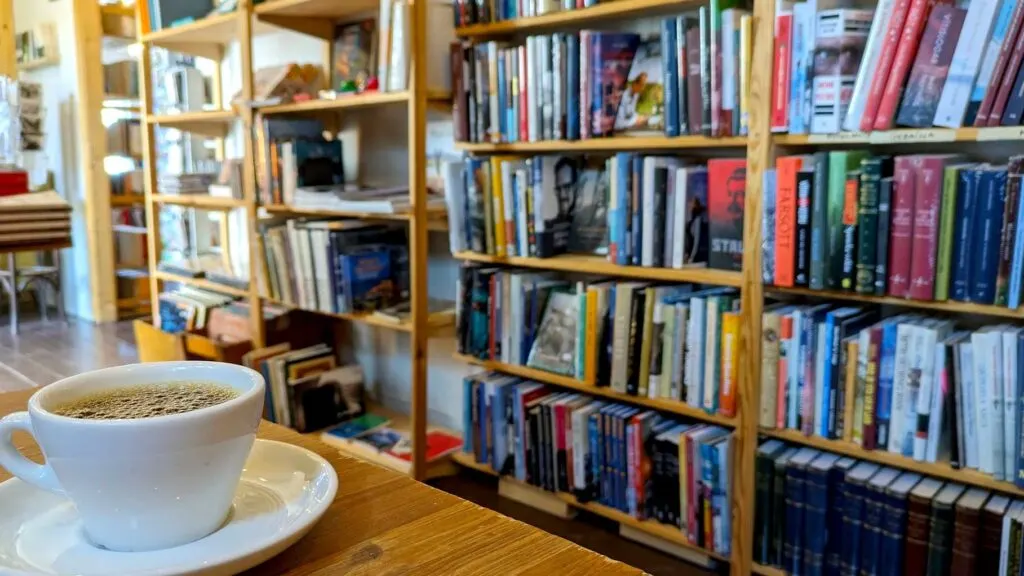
[{"x": 15, "y": 280}]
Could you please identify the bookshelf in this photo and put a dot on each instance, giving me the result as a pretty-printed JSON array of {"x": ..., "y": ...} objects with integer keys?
[
  {"x": 210, "y": 38},
  {"x": 611, "y": 144}
]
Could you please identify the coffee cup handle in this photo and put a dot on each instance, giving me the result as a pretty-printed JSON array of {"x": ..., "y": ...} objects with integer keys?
[{"x": 39, "y": 475}]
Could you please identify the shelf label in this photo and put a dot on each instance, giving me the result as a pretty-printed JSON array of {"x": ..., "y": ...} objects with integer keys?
[
  {"x": 837, "y": 138},
  {"x": 1000, "y": 133},
  {"x": 912, "y": 136}
]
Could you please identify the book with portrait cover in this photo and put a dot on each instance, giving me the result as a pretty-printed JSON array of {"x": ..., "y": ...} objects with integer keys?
[
  {"x": 727, "y": 183},
  {"x": 589, "y": 232},
  {"x": 642, "y": 105},
  {"x": 610, "y": 62},
  {"x": 931, "y": 67},
  {"x": 554, "y": 349},
  {"x": 555, "y": 180},
  {"x": 354, "y": 54},
  {"x": 839, "y": 46}
]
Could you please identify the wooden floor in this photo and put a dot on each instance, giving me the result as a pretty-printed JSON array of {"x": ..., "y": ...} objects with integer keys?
[{"x": 44, "y": 352}]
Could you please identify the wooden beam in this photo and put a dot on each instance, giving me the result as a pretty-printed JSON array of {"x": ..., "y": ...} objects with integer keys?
[
  {"x": 149, "y": 163},
  {"x": 8, "y": 56},
  {"x": 418, "y": 235},
  {"x": 322, "y": 28}
]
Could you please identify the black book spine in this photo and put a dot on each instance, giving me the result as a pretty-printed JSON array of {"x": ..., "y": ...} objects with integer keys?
[
  {"x": 778, "y": 517},
  {"x": 762, "y": 507},
  {"x": 660, "y": 197},
  {"x": 882, "y": 255},
  {"x": 656, "y": 498},
  {"x": 804, "y": 188},
  {"x": 705, "y": 70},
  {"x": 530, "y": 445},
  {"x": 636, "y": 331},
  {"x": 850, "y": 217},
  {"x": 549, "y": 448}
]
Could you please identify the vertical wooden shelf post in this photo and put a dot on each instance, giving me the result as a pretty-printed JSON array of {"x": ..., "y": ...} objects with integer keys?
[
  {"x": 249, "y": 172},
  {"x": 148, "y": 158}
]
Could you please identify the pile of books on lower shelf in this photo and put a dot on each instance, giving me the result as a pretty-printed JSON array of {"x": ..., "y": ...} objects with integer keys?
[
  {"x": 912, "y": 385},
  {"x": 372, "y": 437},
  {"x": 818, "y": 513},
  {"x": 653, "y": 211},
  {"x": 674, "y": 342},
  {"x": 632, "y": 460}
]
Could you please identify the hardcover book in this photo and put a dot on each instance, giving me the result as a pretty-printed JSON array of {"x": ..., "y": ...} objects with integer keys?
[
  {"x": 354, "y": 55},
  {"x": 727, "y": 181},
  {"x": 611, "y": 60},
  {"x": 931, "y": 67},
  {"x": 642, "y": 102},
  {"x": 839, "y": 46}
]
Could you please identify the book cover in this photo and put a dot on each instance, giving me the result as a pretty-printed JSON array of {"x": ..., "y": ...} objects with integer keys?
[
  {"x": 804, "y": 190},
  {"x": 555, "y": 180},
  {"x": 869, "y": 63},
  {"x": 974, "y": 36},
  {"x": 785, "y": 219},
  {"x": 839, "y": 45},
  {"x": 727, "y": 179},
  {"x": 589, "y": 229},
  {"x": 902, "y": 224},
  {"x": 924, "y": 246},
  {"x": 999, "y": 67},
  {"x": 991, "y": 49},
  {"x": 988, "y": 217},
  {"x": 840, "y": 164},
  {"x": 910, "y": 40},
  {"x": 880, "y": 74},
  {"x": 642, "y": 100},
  {"x": 555, "y": 345},
  {"x": 931, "y": 67},
  {"x": 781, "y": 65},
  {"x": 873, "y": 170},
  {"x": 353, "y": 54},
  {"x": 611, "y": 59}
]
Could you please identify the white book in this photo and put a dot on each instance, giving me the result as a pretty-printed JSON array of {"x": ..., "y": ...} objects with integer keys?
[
  {"x": 522, "y": 218},
  {"x": 515, "y": 303},
  {"x": 669, "y": 225},
  {"x": 983, "y": 401},
  {"x": 795, "y": 360},
  {"x": 558, "y": 83},
  {"x": 668, "y": 351},
  {"x": 384, "y": 47},
  {"x": 532, "y": 81},
  {"x": 398, "y": 67},
  {"x": 868, "y": 63},
  {"x": 289, "y": 174},
  {"x": 1010, "y": 402},
  {"x": 939, "y": 394},
  {"x": 658, "y": 318},
  {"x": 322, "y": 270},
  {"x": 995, "y": 383},
  {"x": 294, "y": 246},
  {"x": 956, "y": 92},
  {"x": 492, "y": 92},
  {"x": 830, "y": 90},
  {"x": 679, "y": 209},
  {"x": 969, "y": 426},
  {"x": 905, "y": 335},
  {"x": 802, "y": 49},
  {"x": 820, "y": 357},
  {"x": 695, "y": 343},
  {"x": 730, "y": 23},
  {"x": 507, "y": 202},
  {"x": 711, "y": 353},
  {"x": 455, "y": 201},
  {"x": 920, "y": 410},
  {"x": 991, "y": 50},
  {"x": 547, "y": 86}
]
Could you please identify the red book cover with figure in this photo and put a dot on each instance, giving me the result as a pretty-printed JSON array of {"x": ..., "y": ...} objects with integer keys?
[
  {"x": 727, "y": 185},
  {"x": 925, "y": 245},
  {"x": 609, "y": 71},
  {"x": 931, "y": 67},
  {"x": 785, "y": 219},
  {"x": 901, "y": 228}
]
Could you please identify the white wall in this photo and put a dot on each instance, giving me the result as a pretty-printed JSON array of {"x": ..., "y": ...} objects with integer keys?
[{"x": 61, "y": 154}]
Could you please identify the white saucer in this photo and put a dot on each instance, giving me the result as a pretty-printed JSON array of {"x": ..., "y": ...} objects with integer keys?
[{"x": 284, "y": 491}]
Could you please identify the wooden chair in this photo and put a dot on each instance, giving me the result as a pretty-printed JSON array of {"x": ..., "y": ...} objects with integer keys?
[{"x": 15, "y": 280}]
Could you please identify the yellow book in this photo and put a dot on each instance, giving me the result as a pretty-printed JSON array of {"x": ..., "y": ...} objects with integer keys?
[
  {"x": 591, "y": 342},
  {"x": 498, "y": 206},
  {"x": 730, "y": 363},
  {"x": 850, "y": 382},
  {"x": 645, "y": 348},
  {"x": 746, "y": 24}
]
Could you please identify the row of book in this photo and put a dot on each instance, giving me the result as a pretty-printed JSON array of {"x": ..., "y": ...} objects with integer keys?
[
  {"x": 569, "y": 86},
  {"x": 911, "y": 385},
  {"x": 673, "y": 342},
  {"x": 925, "y": 227},
  {"x": 819, "y": 513},
  {"x": 469, "y": 13},
  {"x": 654, "y": 211},
  {"x": 912, "y": 64},
  {"x": 336, "y": 266},
  {"x": 633, "y": 460}
]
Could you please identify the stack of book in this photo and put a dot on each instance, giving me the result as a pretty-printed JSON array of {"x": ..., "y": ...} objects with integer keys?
[
  {"x": 31, "y": 218},
  {"x": 336, "y": 266},
  {"x": 182, "y": 184},
  {"x": 653, "y": 211},
  {"x": 186, "y": 308},
  {"x": 672, "y": 342},
  {"x": 910, "y": 64},
  {"x": 912, "y": 385},
  {"x": 820, "y": 513},
  {"x": 593, "y": 84},
  {"x": 370, "y": 437},
  {"x": 630, "y": 459},
  {"x": 926, "y": 227}
]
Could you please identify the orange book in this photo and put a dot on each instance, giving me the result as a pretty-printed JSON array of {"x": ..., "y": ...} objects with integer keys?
[
  {"x": 730, "y": 363},
  {"x": 785, "y": 341},
  {"x": 786, "y": 169}
]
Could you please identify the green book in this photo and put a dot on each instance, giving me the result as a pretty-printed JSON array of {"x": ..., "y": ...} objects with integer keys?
[
  {"x": 940, "y": 537},
  {"x": 872, "y": 171},
  {"x": 819, "y": 221},
  {"x": 839, "y": 164},
  {"x": 947, "y": 216}
]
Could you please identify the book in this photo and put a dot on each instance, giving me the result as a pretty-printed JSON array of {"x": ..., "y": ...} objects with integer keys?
[
  {"x": 642, "y": 103},
  {"x": 924, "y": 87},
  {"x": 726, "y": 191},
  {"x": 844, "y": 30}
]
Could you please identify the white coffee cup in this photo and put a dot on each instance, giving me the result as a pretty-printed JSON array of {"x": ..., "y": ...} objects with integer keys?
[{"x": 147, "y": 483}]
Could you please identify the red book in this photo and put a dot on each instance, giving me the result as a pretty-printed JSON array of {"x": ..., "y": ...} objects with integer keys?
[
  {"x": 524, "y": 103},
  {"x": 965, "y": 532},
  {"x": 785, "y": 218},
  {"x": 990, "y": 537},
  {"x": 927, "y": 200},
  {"x": 1009, "y": 75},
  {"x": 885, "y": 59},
  {"x": 931, "y": 67},
  {"x": 905, "y": 54},
  {"x": 901, "y": 228},
  {"x": 915, "y": 553},
  {"x": 1005, "y": 53},
  {"x": 870, "y": 432},
  {"x": 780, "y": 71}
]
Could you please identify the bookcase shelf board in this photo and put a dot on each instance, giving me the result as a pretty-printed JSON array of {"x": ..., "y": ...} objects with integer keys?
[
  {"x": 434, "y": 321},
  {"x": 767, "y": 570},
  {"x": 133, "y": 273},
  {"x": 200, "y": 283},
  {"x": 212, "y": 123},
  {"x": 587, "y": 264},
  {"x": 205, "y": 38},
  {"x": 612, "y": 144},
  {"x": 949, "y": 306},
  {"x": 128, "y": 229},
  {"x": 133, "y": 303},
  {"x": 661, "y": 531},
  {"x": 353, "y": 101},
  {"x": 577, "y": 18},
  {"x": 313, "y": 17},
  {"x": 661, "y": 404},
  {"x": 938, "y": 470},
  {"x": 328, "y": 213},
  {"x": 39, "y": 63},
  {"x": 905, "y": 136},
  {"x": 200, "y": 201}
]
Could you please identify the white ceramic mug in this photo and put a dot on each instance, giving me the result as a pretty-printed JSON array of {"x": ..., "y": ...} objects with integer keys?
[{"x": 148, "y": 483}]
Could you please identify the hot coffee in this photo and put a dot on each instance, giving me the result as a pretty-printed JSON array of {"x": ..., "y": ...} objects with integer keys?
[{"x": 146, "y": 401}]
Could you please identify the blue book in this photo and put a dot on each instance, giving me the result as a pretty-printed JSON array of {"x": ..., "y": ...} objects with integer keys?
[
  {"x": 853, "y": 515},
  {"x": 681, "y": 25},
  {"x": 1018, "y": 477},
  {"x": 636, "y": 212},
  {"x": 596, "y": 453},
  {"x": 617, "y": 228},
  {"x": 816, "y": 510},
  {"x": 467, "y": 414},
  {"x": 894, "y": 523},
  {"x": 813, "y": 317},
  {"x": 999, "y": 32},
  {"x": 834, "y": 522},
  {"x": 988, "y": 228},
  {"x": 723, "y": 495},
  {"x": 833, "y": 323},
  {"x": 963, "y": 234},
  {"x": 623, "y": 462},
  {"x": 669, "y": 70},
  {"x": 886, "y": 376},
  {"x": 572, "y": 86},
  {"x": 796, "y": 475},
  {"x": 604, "y": 453},
  {"x": 1017, "y": 262},
  {"x": 483, "y": 456},
  {"x": 874, "y": 507},
  {"x": 502, "y": 98},
  {"x": 798, "y": 72}
]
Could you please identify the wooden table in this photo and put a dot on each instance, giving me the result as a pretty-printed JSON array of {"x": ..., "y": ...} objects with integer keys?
[{"x": 382, "y": 522}]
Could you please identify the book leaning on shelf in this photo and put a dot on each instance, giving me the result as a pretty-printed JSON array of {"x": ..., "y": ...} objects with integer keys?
[
  {"x": 690, "y": 78},
  {"x": 927, "y": 227},
  {"x": 819, "y": 513},
  {"x": 633, "y": 460},
  {"x": 907, "y": 63},
  {"x": 336, "y": 266},
  {"x": 672, "y": 342},
  {"x": 654, "y": 211},
  {"x": 908, "y": 384}
]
